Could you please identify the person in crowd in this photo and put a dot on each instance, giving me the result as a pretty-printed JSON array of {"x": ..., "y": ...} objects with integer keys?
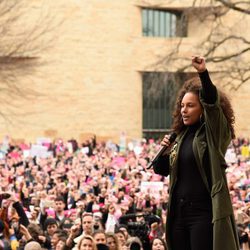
[
  {"x": 113, "y": 242},
  {"x": 34, "y": 215},
  {"x": 87, "y": 243},
  {"x": 61, "y": 245},
  {"x": 50, "y": 227},
  {"x": 87, "y": 223},
  {"x": 111, "y": 219},
  {"x": 134, "y": 243},
  {"x": 91, "y": 183},
  {"x": 26, "y": 238},
  {"x": 200, "y": 214},
  {"x": 100, "y": 237},
  {"x": 59, "y": 210},
  {"x": 73, "y": 235},
  {"x": 77, "y": 233},
  {"x": 155, "y": 230},
  {"x": 121, "y": 237},
  {"x": 59, "y": 235},
  {"x": 124, "y": 229},
  {"x": 4, "y": 239},
  {"x": 37, "y": 234},
  {"x": 159, "y": 244},
  {"x": 244, "y": 237},
  {"x": 33, "y": 245}
]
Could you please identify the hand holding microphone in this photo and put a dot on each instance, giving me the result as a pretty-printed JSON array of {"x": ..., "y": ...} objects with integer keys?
[
  {"x": 168, "y": 140},
  {"x": 165, "y": 144}
]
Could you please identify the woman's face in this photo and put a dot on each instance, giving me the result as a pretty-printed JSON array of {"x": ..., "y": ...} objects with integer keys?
[
  {"x": 158, "y": 245},
  {"x": 191, "y": 109},
  {"x": 60, "y": 245},
  {"x": 51, "y": 229},
  {"x": 121, "y": 238},
  {"x": 54, "y": 240},
  {"x": 86, "y": 244},
  {"x": 111, "y": 243}
]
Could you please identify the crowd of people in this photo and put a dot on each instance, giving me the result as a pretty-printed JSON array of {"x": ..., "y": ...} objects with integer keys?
[{"x": 97, "y": 195}]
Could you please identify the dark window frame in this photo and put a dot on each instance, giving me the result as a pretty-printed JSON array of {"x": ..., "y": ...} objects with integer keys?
[
  {"x": 159, "y": 92},
  {"x": 164, "y": 23}
]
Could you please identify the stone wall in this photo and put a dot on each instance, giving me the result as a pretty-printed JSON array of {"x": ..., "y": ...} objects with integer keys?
[{"x": 89, "y": 79}]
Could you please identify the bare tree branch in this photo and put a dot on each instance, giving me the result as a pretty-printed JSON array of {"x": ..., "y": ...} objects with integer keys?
[
  {"x": 224, "y": 46},
  {"x": 236, "y": 5},
  {"x": 21, "y": 44}
]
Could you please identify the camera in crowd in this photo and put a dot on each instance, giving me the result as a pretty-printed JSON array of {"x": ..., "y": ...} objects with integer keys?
[{"x": 138, "y": 225}]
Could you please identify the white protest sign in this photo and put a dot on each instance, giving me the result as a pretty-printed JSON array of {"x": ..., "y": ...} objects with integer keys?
[
  {"x": 39, "y": 151},
  {"x": 152, "y": 187}
]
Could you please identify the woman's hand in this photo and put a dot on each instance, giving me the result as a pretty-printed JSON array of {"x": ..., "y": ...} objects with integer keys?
[
  {"x": 199, "y": 64},
  {"x": 165, "y": 141},
  {"x": 13, "y": 198},
  {"x": 42, "y": 238},
  {"x": 25, "y": 232}
]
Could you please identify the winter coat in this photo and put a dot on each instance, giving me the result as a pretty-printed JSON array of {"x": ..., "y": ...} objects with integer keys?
[{"x": 214, "y": 137}]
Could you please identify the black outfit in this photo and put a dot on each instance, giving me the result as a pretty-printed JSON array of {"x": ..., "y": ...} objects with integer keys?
[
  {"x": 191, "y": 227},
  {"x": 192, "y": 208},
  {"x": 23, "y": 219}
]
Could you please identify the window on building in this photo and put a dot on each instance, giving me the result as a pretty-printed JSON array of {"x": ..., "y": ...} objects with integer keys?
[
  {"x": 159, "y": 97},
  {"x": 163, "y": 23}
]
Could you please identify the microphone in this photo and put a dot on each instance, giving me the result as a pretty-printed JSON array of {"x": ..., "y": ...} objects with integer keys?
[{"x": 162, "y": 150}]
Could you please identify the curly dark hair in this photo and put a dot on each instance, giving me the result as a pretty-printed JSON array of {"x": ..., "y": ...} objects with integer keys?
[{"x": 194, "y": 85}]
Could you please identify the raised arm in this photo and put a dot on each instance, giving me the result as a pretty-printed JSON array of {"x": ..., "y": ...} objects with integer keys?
[
  {"x": 208, "y": 91},
  {"x": 217, "y": 124}
]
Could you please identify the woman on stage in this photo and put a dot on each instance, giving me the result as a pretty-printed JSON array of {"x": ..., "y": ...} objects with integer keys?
[{"x": 200, "y": 213}]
